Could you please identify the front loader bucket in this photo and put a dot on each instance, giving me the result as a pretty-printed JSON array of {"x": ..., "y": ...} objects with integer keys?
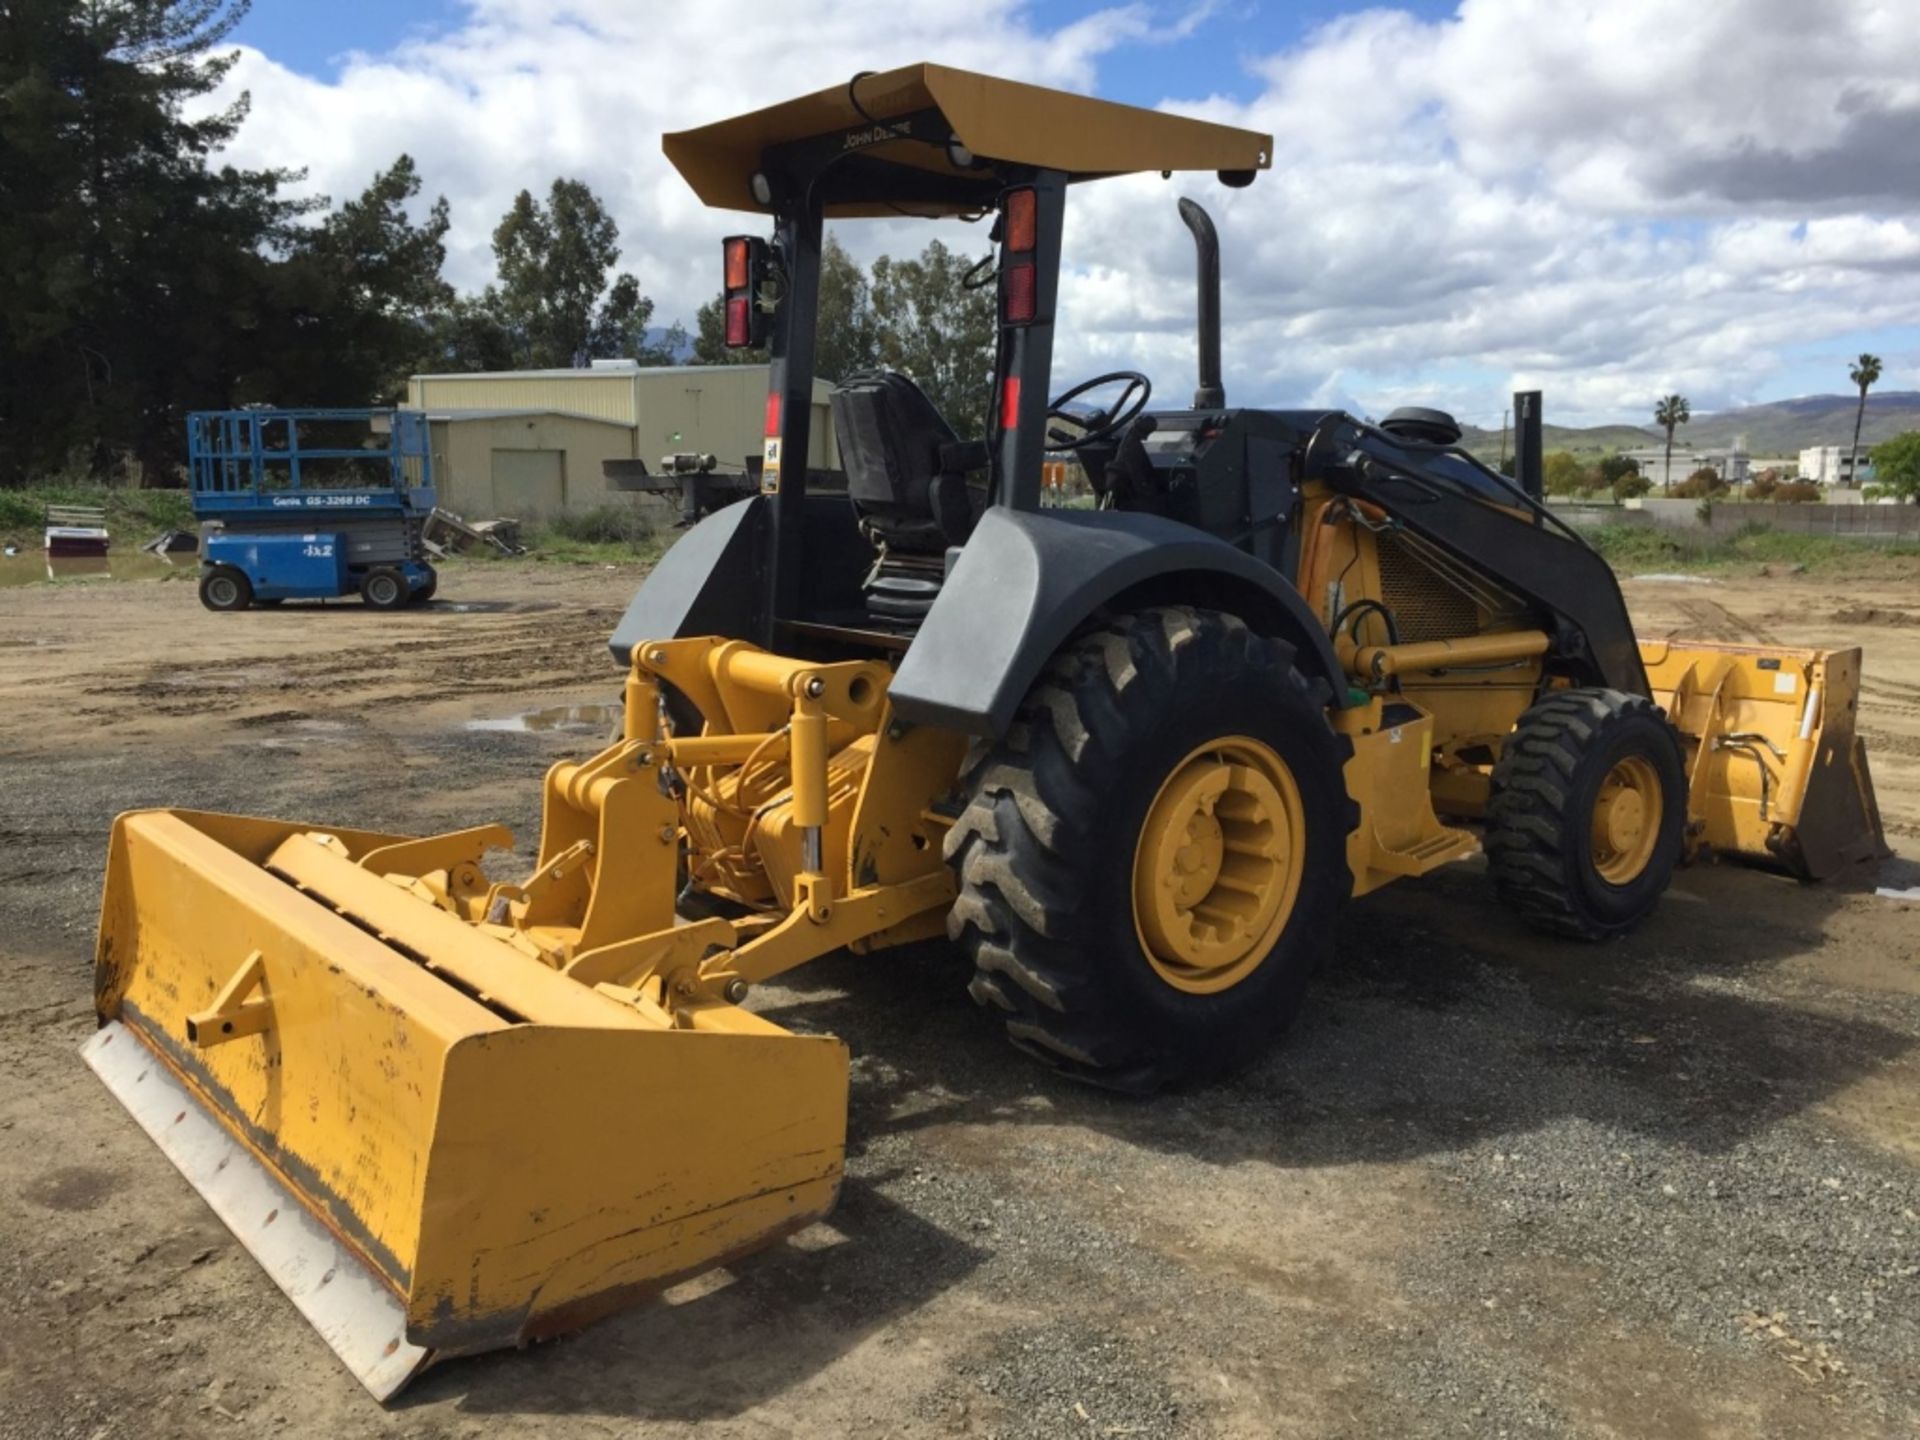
[
  {"x": 1776, "y": 772},
  {"x": 434, "y": 1142}
]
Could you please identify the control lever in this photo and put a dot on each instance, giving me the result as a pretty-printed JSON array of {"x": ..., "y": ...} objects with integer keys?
[{"x": 1130, "y": 472}]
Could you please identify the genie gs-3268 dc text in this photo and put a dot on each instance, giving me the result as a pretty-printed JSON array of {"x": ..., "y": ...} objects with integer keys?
[{"x": 1131, "y": 760}]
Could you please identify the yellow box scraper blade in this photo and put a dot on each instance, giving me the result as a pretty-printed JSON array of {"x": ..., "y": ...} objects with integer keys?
[{"x": 434, "y": 1142}]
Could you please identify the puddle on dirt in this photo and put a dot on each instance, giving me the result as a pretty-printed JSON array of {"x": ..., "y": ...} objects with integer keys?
[
  {"x": 310, "y": 732},
  {"x": 561, "y": 719},
  {"x": 33, "y": 567}
]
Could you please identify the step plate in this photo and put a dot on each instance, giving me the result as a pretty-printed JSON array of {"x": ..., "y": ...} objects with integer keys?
[{"x": 358, "y": 1316}]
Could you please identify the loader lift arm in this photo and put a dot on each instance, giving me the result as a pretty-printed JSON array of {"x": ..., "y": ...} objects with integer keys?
[{"x": 1483, "y": 519}]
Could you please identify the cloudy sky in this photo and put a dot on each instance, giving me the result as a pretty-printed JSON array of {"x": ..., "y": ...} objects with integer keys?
[{"x": 1605, "y": 200}]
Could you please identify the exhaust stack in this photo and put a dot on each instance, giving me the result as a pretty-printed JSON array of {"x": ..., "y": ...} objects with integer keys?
[
  {"x": 1529, "y": 434},
  {"x": 1211, "y": 394}
]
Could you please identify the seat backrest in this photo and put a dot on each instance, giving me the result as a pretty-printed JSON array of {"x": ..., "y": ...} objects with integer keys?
[{"x": 890, "y": 438}]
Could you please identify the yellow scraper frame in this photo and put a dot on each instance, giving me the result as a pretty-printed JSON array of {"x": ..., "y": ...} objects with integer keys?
[{"x": 396, "y": 1048}]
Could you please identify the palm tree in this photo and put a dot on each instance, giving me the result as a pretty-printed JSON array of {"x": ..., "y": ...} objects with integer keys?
[
  {"x": 1863, "y": 373},
  {"x": 1670, "y": 411}
]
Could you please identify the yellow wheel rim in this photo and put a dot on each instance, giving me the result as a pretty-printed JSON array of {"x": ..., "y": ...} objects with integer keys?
[
  {"x": 1626, "y": 820},
  {"x": 1218, "y": 864}
]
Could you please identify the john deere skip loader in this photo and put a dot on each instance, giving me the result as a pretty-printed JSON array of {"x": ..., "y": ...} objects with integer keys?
[{"x": 1131, "y": 759}]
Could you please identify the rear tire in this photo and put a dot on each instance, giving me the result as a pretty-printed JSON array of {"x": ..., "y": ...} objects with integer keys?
[
  {"x": 225, "y": 589},
  {"x": 1587, "y": 815},
  {"x": 1067, "y": 820},
  {"x": 384, "y": 589}
]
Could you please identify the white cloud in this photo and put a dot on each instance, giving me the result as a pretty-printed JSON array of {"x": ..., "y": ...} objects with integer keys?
[{"x": 1608, "y": 200}]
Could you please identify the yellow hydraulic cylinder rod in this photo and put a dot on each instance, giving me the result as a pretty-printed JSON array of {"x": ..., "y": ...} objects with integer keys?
[
  {"x": 641, "y": 717},
  {"x": 1379, "y": 661},
  {"x": 808, "y": 738},
  {"x": 757, "y": 670},
  {"x": 723, "y": 749}
]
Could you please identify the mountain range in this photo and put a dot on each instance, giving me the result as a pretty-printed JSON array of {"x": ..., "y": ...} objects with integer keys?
[{"x": 1779, "y": 427}]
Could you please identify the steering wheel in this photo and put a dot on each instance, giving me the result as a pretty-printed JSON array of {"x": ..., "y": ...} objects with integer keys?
[{"x": 1105, "y": 423}]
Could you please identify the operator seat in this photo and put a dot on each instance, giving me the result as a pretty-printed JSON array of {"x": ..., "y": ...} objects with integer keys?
[{"x": 907, "y": 476}]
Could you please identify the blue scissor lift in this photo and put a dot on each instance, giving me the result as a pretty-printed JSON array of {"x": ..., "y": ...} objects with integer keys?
[{"x": 311, "y": 504}]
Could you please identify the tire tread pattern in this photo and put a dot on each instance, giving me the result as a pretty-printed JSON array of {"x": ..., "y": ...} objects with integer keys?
[
  {"x": 1029, "y": 823},
  {"x": 1529, "y": 819}
]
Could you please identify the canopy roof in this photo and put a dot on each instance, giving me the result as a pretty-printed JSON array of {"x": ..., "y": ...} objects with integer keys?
[{"x": 885, "y": 173}]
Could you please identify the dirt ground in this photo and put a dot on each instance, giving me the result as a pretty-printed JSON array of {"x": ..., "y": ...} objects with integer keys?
[{"x": 1490, "y": 1184}]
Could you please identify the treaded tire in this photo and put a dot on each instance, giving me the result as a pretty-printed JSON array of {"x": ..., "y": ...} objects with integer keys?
[
  {"x": 384, "y": 589},
  {"x": 1539, "y": 817},
  {"x": 225, "y": 589},
  {"x": 1044, "y": 849}
]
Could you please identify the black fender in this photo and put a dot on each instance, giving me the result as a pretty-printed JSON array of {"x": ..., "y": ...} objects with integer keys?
[
  {"x": 1027, "y": 580},
  {"x": 716, "y": 579},
  {"x": 706, "y": 584}
]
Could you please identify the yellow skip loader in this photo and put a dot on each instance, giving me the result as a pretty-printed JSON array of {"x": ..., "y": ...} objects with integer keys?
[{"x": 1131, "y": 759}]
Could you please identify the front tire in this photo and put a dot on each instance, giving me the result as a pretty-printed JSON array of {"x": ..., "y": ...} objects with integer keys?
[
  {"x": 1151, "y": 861},
  {"x": 1587, "y": 815},
  {"x": 384, "y": 589},
  {"x": 225, "y": 589}
]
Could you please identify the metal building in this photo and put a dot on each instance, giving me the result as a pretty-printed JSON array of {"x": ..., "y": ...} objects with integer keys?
[{"x": 529, "y": 443}]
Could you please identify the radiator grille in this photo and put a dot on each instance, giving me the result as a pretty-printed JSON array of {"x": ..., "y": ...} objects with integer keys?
[{"x": 1424, "y": 606}]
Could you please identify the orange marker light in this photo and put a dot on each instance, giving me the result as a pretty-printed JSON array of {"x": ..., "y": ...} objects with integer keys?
[
  {"x": 1022, "y": 219},
  {"x": 1018, "y": 295}
]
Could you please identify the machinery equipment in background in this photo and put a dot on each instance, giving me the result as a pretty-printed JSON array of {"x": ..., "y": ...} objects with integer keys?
[
  {"x": 76, "y": 531},
  {"x": 1132, "y": 759},
  {"x": 701, "y": 485},
  {"x": 694, "y": 479},
  {"x": 311, "y": 505}
]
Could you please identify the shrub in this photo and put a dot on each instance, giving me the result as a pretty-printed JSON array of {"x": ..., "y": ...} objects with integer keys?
[
  {"x": 1896, "y": 466},
  {"x": 1637, "y": 547},
  {"x": 1763, "y": 485},
  {"x": 129, "y": 511},
  {"x": 1797, "y": 492},
  {"x": 1563, "y": 474},
  {"x": 1612, "y": 469},
  {"x": 607, "y": 525},
  {"x": 20, "y": 510},
  {"x": 1702, "y": 484},
  {"x": 1631, "y": 486}
]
